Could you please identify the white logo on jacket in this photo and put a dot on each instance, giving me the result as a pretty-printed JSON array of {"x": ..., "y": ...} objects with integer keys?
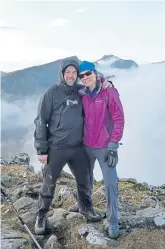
[{"x": 74, "y": 102}]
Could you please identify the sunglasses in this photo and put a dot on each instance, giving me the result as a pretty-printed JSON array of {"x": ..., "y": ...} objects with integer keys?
[{"x": 81, "y": 76}]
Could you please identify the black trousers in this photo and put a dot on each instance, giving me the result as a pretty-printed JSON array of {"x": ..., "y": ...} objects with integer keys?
[{"x": 77, "y": 160}]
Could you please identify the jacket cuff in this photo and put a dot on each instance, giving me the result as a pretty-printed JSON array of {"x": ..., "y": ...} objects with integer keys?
[
  {"x": 41, "y": 153},
  {"x": 113, "y": 146}
]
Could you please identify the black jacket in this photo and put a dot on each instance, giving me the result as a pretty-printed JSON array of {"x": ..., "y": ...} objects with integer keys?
[{"x": 59, "y": 122}]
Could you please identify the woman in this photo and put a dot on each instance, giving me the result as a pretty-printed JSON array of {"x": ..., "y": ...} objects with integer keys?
[{"x": 103, "y": 129}]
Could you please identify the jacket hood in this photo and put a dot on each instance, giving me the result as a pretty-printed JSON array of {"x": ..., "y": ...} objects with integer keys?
[
  {"x": 67, "y": 62},
  {"x": 64, "y": 64}
]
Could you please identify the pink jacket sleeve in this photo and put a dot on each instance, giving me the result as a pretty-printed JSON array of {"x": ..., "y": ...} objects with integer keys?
[{"x": 117, "y": 114}]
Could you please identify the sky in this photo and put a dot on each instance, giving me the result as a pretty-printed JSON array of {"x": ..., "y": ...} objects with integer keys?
[{"x": 38, "y": 32}]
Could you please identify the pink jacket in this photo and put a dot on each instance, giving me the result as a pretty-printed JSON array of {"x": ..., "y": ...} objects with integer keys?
[{"x": 104, "y": 117}]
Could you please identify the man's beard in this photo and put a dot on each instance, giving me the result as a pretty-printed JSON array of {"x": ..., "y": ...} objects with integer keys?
[{"x": 71, "y": 82}]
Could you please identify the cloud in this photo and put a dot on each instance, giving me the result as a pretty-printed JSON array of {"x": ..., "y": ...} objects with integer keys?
[
  {"x": 59, "y": 22},
  {"x": 15, "y": 111},
  {"x": 19, "y": 50},
  {"x": 83, "y": 9},
  {"x": 6, "y": 26},
  {"x": 3, "y": 24},
  {"x": 142, "y": 93},
  {"x": 17, "y": 128}
]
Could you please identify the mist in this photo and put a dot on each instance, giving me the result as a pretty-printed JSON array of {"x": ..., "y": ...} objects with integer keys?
[
  {"x": 142, "y": 154},
  {"x": 17, "y": 122}
]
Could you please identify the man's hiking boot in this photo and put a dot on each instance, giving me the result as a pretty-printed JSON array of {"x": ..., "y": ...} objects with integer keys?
[
  {"x": 90, "y": 214},
  {"x": 40, "y": 225},
  {"x": 101, "y": 213},
  {"x": 74, "y": 208},
  {"x": 113, "y": 231}
]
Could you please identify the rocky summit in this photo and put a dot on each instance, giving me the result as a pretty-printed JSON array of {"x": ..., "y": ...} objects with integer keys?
[{"x": 141, "y": 212}]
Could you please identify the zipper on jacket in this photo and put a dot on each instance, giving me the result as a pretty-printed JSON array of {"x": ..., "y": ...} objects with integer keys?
[{"x": 63, "y": 107}]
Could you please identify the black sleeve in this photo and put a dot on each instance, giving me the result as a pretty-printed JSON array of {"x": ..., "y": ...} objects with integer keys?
[
  {"x": 41, "y": 122},
  {"x": 79, "y": 86}
]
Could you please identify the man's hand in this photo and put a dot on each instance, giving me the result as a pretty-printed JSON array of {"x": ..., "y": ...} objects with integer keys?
[
  {"x": 104, "y": 82},
  {"x": 111, "y": 156},
  {"x": 43, "y": 159}
]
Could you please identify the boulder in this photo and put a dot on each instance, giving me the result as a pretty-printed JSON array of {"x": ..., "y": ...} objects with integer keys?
[
  {"x": 3, "y": 162},
  {"x": 95, "y": 236},
  {"x": 52, "y": 243},
  {"x": 20, "y": 158}
]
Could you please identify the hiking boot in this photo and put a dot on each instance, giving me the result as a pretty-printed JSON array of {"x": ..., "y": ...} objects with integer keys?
[
  {"x": 113, "y": 231},
  {"x": 40, "y": 225},
  {"x": 74, "y": 208},
  {"x": 101, "y": 213},
  {"x": 90, "y": 214}
]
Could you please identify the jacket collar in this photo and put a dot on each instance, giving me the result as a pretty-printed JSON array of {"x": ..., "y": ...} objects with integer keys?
[{"x": 85, "y": 90}]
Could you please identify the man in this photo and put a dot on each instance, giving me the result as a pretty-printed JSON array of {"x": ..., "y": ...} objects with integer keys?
[{"x": 58, "y": 140}]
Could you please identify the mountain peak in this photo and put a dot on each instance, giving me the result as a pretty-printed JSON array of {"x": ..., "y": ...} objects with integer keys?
[
  {"x": 109, "y": 62},
  {"x": 105, "y": 57}
]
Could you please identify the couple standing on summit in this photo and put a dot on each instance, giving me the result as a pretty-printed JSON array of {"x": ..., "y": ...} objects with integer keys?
[{"x": 75, "y": 125}]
